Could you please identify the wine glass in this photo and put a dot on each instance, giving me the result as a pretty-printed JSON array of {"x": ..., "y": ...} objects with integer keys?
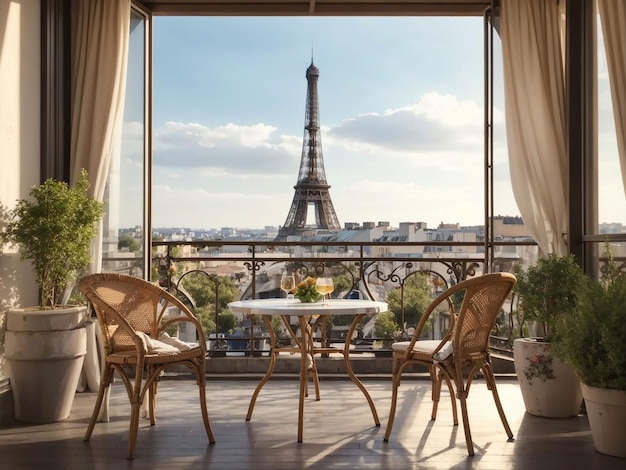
[
  {"x": 324, "y": 286},
  {"x": 288, "y": 284}
]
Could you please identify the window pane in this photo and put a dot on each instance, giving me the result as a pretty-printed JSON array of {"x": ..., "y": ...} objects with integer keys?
[
  {"x": 400, "y": 110},
  {"x": 611, "y": 198},
  {"x": 124, "y": 222}
]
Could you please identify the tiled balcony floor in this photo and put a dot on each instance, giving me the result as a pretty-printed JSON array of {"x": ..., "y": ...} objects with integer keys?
[{"x": 339, "y": 432}]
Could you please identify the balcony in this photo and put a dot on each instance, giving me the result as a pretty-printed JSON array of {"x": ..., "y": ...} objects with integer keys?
[
  {"x": 368, "y": 269},
  {"x": 338, "y": 432}
]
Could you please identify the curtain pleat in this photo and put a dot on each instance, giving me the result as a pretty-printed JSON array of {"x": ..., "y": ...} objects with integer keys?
[
  {"x": 100, "y": 38},
  {"x": 534, "y": 87},
  {"x": 613, "y": 20}
]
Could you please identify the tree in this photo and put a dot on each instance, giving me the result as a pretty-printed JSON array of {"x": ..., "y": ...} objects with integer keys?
[
  {"x": 417, "y": 298},
  {"x": 385, "y": 325},
  {"x": 342, "y": 279},
  {"x": 126, "y": 241},
  {"x": 200, "y": 286}
]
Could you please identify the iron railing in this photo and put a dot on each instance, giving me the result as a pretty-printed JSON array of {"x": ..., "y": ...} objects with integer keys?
[{"x": 374, "y": 270}]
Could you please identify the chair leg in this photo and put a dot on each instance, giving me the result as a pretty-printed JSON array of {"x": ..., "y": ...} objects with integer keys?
[
  {"x": 438, "y": 375},
  {"x": 133, "y": 428},
  {"x": 466, "y": 426},
  {"x": 205, "y": 413},
  {"x": 491, "y": 384},
  {"x": 395, "y": 383},
  {"x": 455, "y": 414},
  {"x": 135, "y": 395},
  {"x": 313, "y": 366},
  {"x": 105, "y": 382},
  {"x": 436, "y": 379},
  {"x": 152, "y": 402}
]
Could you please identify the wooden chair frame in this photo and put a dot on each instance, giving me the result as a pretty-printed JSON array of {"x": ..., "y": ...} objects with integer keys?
[
  {"x": 468, "y": 337},
  {"x": 127, "y": 306}
]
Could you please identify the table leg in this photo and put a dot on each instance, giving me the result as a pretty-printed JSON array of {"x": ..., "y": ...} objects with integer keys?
[
  {"x": 270, "y": 369},
  {"x": 346, "y": 358},
  {"x": 304, "y": 346}
]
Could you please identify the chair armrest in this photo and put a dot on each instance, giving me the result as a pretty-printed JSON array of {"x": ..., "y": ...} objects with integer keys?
[{"x": 186, "y": 315}]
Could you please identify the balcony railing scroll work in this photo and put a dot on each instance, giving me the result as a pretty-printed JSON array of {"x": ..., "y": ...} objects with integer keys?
[{"x": 208, "y": 274}]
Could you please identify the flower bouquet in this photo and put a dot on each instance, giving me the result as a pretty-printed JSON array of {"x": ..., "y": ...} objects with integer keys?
[{"x": 305, "y": 291}]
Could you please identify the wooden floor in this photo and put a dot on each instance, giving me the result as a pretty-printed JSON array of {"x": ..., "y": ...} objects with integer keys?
[{"x": 339, "y": 432}]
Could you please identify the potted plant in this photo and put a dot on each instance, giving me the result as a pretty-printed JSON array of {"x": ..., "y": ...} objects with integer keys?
[
  {"x": 594, "y": 342},
  {"x": 547, "y": 295},
  {"x": 45, "y": 345}
]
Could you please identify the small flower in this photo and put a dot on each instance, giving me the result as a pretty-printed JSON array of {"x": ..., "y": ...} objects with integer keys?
[
  {"x": 305, "y": 290},
  {"x": 540, "y": 367}
]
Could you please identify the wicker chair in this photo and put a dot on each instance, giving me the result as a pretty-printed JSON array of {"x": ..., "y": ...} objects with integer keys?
[
  {"x": 132, "y": 313},
  {"x": 462, "y": 352}
]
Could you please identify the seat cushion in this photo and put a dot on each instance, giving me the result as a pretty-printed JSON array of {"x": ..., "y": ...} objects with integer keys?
[
  {"x": 154, "y": 346},
  {"x": 427, "y": 347},
  {"x": 164, "y": 337}
]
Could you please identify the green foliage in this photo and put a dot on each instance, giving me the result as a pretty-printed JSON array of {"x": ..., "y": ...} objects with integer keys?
[
  {"x": 342, "y": 280},
  {"x": 206, "y": 317},
  {"x": 548, "y": 292},
  {"x": 54, "y": 228},
  {"x": 277, "y": 326},
  {"x": 227, "y": 322},
  {"x": 201, "y": 287},
  {"x": 126, "y": 241},
  {"x": 417, "y": 298},
  {"x": 594, "y": 340},
  {"x": 385, "y": 325},
  {"x": 305, "y": 290}
]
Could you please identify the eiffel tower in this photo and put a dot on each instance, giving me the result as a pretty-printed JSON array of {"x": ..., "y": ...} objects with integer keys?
[{"x": 311, "y": 188}]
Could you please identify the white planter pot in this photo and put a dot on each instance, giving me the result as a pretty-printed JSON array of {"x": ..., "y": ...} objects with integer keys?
[
  {"x": 606, "y": 411},
  {"x": 549, "y": 386},
  {"x": 45, "y": 350}
]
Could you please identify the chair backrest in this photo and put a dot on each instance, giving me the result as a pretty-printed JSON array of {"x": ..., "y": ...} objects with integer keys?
[
  {"x": 471, "y": 326},
  {"x": 125, "y": 305},
  {"x": 483, "y": 299}
]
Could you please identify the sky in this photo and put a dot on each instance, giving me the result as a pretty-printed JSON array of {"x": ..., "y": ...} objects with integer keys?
[{"x": 401, "y": 112}]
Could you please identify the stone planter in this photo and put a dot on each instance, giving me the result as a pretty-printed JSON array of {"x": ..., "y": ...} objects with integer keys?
[
  {"x": 45, "y": 350},
  {"x": 549, "y": 386},
  {"x": 606, "y": 411}
]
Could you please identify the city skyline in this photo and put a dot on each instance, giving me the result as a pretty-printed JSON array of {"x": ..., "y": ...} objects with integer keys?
[{"x": 401, "y": 112}]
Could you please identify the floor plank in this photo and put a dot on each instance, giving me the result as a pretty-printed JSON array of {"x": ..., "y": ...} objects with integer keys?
[{"x": 339, "y": 432}]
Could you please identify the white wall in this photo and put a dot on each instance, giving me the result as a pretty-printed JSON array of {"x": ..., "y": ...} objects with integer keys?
[{"x": 19, "y": 140}]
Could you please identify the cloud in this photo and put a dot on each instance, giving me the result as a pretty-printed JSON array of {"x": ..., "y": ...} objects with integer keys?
[
  {"x": 421, "y": 161},
  {"x": 437, "y": 123},
  {"x": 435, "y": 127},
  {"x": 230, "y": 148}
]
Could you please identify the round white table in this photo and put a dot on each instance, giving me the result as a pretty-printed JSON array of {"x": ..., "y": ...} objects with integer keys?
[{"x": 316, "y": 311}]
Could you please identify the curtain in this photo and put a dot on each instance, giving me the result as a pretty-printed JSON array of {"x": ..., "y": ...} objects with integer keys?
[
  {"x": 613, "y": 19},
  {"x": 534, "y": 87},
  {"x": 100, "y": 38}
]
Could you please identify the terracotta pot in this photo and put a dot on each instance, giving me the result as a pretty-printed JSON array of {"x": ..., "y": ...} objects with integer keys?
[
  {"x": 606, "y": 411},
  {"x": 549, "y": 386}
]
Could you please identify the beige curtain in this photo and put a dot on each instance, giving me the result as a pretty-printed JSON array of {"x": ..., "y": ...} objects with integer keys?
[
  {"x": 534, "y": 87},
  {"x": 613, "y": 18},
  {"x": 100, "y": 36},
  {"x": 100, "y": 39}
]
